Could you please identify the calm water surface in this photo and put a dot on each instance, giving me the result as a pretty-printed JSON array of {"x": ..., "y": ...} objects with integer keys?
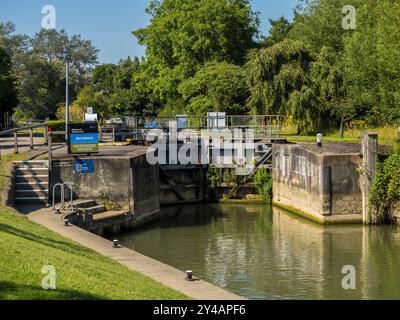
[{"x": 264, "y": 253}]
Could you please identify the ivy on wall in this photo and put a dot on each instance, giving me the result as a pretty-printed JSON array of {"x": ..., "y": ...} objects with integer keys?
[{"x": 385, "y": 190}]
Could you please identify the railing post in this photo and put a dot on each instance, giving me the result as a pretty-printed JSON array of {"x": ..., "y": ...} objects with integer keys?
[
  {"x": 369, "y": 152},
  {"x": 15, "y": 142},
  {"x": 46, "y": 135},
  {"x": 31, "y": 138},
  {"x": 50, "y": 150}
]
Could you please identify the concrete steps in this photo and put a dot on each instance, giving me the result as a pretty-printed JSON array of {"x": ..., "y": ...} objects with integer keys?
[
  {"x": 31, "y": 182},
  {"x": 97, "y": 211}
]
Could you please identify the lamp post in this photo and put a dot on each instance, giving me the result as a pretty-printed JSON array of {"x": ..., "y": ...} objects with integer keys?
[{"x": 66, "y": 97}]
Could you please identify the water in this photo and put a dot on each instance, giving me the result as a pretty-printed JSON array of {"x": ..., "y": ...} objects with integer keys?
[{"x": 264, "y": 253}]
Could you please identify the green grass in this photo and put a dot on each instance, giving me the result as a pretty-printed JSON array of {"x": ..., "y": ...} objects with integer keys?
[
  {"x": 386, "y": 136},
  {"x": 25, "y": 247}
]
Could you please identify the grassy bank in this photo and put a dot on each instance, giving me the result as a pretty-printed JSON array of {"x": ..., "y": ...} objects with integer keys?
[
  {"x": 26, "y": 247},
  {"x": 387, "y": 136}
]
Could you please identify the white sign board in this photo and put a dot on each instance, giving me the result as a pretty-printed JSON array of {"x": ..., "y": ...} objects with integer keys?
[{"x": 89, "y": 117}]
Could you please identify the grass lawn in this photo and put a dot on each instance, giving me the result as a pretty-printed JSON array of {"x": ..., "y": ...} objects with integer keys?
[
  {"x": 386, "y": 136},
  {"x": 26, "y": 247}
]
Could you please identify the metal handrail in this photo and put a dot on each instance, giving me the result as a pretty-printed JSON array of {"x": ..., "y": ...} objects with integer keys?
[
  {"x": 62, "y": 189},
  {"x": 62, "y": 196},
  {"x": 71, "y": 200}
]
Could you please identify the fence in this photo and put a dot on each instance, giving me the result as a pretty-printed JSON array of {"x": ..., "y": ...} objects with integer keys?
[
  {"x": 263, "y": 125},
  {"x": 14, "y": 133}
]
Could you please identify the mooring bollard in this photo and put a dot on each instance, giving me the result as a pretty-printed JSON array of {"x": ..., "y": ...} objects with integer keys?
[
  {"x": 115, "y": 244},
  {"x": 189, "y": 275},
  {"x": 319, "y": 140},
  {"x": 66, "y": 222}
]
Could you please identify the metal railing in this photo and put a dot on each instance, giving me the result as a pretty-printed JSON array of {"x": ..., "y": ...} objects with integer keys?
[
  {"x": 263, "y": 125},
  {"x": 63, "y": 187}
]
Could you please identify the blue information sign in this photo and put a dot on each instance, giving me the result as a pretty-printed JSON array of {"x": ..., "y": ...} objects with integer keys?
[{"x": 84, "y": 166}]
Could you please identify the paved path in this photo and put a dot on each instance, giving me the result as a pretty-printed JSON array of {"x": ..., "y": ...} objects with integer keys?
[{"x": 154, "y": 269}]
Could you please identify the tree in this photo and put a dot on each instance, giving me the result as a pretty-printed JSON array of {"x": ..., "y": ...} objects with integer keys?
[
  {"x": 371, "y": 63},
  {"x": 42, "y": 88},
  {"x": 274, "y": 73},
  {"x": 8, "y": 90},
  {"x": 184, "y": 34},
  {"x": 279, "y": 31},
  {"x": 99, "y": 101},
  {"x": 103, "y": 77},
  {"x": 38, "y": 63},
  {"x": 319, "y": 23},
  {"x": 289, "y": 79},
  {"x": 216, "y": 87}
]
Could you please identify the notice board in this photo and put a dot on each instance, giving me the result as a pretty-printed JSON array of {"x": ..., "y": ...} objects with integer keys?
[{"x": 83, "y": 138}]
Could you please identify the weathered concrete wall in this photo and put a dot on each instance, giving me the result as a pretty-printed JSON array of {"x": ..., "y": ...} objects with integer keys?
[
  {"x": 110, "y": 178},
  {"x": 323, "y": 186},
  {"x": 129, "y": 181},
  {"x": 145, "y": 186}
]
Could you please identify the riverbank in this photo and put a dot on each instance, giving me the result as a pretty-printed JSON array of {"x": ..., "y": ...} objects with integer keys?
[{"x": 80, "y": 272}]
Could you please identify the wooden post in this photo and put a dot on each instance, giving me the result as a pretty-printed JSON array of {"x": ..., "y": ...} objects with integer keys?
[
  {"x": 46, "y": 135},
  {"x": 15, "y": 142},
  {"x": 369, "y": 150},
  {"x": 50, "y": 149},
  {"x": 31, "y": 138}
]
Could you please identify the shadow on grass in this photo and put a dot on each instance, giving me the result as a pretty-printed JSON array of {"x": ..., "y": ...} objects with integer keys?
[
  {"x": 60, "y": 245},
  {"x": 12, "y": 291}
]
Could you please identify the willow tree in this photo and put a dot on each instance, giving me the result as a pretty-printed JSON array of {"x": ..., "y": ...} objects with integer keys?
[
  {"x": 277, "y": 76},
  {"x": 290, "y": 79}
]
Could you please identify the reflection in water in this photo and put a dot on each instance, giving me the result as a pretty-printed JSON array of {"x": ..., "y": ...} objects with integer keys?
[{"x": 269, "y": 254}]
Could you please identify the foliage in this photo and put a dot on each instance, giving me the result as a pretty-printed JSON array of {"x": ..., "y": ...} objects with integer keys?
[
  {"x": 279, "y": 31},
  {"x": 108, "y": 202},
  {"x": 185, "y": 34},
  {"x": 263, "y": 181},
  {"x": 216, "y": 87},
  {"x": 76, "y": 112},
  {"x": 385, "y": 190},
  {"x": 8, "y": 90},
  {"x": 99, "y": 101},
  {"x": 216, "y": 176},
  {"x": 371, "y": 62},
  {"x": 39, "y": 66}
]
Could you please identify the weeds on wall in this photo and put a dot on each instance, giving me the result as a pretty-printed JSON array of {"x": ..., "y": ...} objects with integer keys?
[
  {"x": 385, "y": 191},
  {"x": 263, "y": 181}
]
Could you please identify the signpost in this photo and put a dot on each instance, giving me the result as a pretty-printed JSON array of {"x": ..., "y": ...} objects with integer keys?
[{"x": 83, "y": 138}]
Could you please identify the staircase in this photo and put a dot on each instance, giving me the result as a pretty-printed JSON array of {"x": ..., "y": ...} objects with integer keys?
[
  {"x": 90, "y": 215},
  {"x": 31, "y": 182}
]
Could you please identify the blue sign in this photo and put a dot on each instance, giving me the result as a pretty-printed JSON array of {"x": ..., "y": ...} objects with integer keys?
[
  {"x": 152, "y": 125},
  {"x": 84, "y": 138},
  {"x": 84, "y": 166}
]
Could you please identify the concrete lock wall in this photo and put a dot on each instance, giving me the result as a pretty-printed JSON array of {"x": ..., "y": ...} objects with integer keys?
[
  {"x": 322, "y": 186},
  {"x": 131, "y": 182}
]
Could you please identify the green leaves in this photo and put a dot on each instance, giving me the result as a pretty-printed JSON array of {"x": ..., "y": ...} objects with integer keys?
[
  {"x": 216, "y": 87},
  {"x": 8, "y": 90}
]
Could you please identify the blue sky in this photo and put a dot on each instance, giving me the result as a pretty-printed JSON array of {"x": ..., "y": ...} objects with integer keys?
[{"x": 109, "y": 23}]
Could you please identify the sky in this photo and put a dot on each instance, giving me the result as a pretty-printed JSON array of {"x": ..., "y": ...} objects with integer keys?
[{"x": 109, "y": 23}]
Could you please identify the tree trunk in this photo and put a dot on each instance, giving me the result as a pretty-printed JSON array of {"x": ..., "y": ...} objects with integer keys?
[{"x": 341, "y": 132}]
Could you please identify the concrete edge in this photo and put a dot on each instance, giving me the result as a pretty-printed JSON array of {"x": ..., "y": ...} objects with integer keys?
[
  {"x": 323, "y": 220},
  {"x": 156, "y": 270}
]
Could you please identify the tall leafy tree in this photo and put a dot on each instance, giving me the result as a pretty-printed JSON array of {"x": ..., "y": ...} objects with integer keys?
[
  {"x": 184, "y": 34},
  {"x": 280, "y": 30},
  {"x": 216, "y": 87},
  {"x": 8, "y": 90}
]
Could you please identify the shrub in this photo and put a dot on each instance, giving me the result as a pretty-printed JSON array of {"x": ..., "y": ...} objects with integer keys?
[{"x": 263, "y": 181}]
